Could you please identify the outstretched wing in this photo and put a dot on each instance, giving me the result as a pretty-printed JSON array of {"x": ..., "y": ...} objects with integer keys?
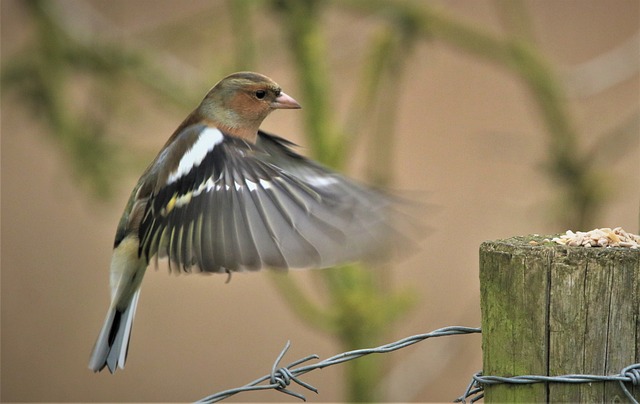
[{"x": 230, "y": 205}]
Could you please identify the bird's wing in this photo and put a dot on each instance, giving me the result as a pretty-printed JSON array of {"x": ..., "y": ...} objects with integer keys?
[{"x": 229, "y": 205}]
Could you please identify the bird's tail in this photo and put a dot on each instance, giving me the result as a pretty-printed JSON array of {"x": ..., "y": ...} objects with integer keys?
[
  {"x": 126, "y": 273},
  {"x": 112, "y": 344}
]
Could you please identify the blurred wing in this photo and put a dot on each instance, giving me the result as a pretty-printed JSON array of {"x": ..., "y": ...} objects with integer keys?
[{"x": 230, "y": 205}]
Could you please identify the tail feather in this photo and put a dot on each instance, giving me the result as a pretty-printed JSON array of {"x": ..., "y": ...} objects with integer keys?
[{"x": 112, "y": 344}]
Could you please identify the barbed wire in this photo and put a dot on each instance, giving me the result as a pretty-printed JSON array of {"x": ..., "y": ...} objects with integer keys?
[
  {"x": 475, "y": 390},
  {"x": 281, "y": 377}
]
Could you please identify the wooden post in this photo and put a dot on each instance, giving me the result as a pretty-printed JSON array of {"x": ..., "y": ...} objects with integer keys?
[{"x": 551, "y": 310}]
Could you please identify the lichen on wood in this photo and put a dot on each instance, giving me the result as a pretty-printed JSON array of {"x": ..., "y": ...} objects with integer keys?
[{"x": 551, "y": 310}]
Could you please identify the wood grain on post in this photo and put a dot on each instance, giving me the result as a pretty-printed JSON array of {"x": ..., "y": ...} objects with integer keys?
[{"x": 552, "y": 310}]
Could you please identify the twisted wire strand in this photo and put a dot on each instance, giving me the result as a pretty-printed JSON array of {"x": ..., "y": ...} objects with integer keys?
[
  {"x": 475, "y": 389},
  {"x": 281, "y": 377}
]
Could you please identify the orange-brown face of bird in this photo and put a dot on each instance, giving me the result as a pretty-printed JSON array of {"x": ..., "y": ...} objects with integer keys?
[{"x": 240, "y": 102}]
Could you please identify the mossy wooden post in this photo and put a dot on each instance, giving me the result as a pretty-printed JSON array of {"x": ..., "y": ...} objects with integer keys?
[{"x": 552, "y": 310}]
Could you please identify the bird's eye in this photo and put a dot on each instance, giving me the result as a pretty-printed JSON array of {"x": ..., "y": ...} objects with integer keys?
[{"x": 260, "y": 94}]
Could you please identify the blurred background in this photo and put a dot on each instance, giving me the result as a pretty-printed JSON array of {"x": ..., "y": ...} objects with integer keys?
[{"x": 501, "y": 118}]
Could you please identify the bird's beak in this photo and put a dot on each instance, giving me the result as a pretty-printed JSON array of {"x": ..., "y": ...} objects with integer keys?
[{"x": 283, "y": 101}]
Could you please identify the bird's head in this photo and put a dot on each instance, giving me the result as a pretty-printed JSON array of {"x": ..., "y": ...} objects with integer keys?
[{"x": 239, "y": 103}]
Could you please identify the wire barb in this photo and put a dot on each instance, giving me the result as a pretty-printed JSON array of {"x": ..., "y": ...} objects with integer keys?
[
  {"x": 474, "y": 391},
  {"x": 282, "y": 377},
  {"x": 633, "y": 374}
]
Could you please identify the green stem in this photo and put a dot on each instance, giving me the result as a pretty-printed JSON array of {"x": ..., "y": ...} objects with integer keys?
[
  {"x": 301, "y": 305},
  {"x": 309, "y": 51}
]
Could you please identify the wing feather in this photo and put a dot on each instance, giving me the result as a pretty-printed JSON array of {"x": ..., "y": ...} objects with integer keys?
[
  {"x": 246, "y": 207},
  {"x": 291, "y": 210},
  {"x": 208, "y": 246},
  {"x": 249, "y": 254}
]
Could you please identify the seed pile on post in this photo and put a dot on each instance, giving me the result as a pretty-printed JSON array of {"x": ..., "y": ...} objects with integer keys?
[{"x": 604, "y": 237}]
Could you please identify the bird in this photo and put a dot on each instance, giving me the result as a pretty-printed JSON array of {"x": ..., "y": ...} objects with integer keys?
[{"x": 223, "y": 196}]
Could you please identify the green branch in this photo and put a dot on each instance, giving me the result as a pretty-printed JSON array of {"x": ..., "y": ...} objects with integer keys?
[{"x": 566, "y": 164}]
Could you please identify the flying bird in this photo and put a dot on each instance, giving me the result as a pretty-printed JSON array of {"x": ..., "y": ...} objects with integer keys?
[{"x": 224, "y": 196}]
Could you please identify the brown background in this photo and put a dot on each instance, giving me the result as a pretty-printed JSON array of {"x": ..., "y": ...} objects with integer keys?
[{"x": 467, "y": 132}]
